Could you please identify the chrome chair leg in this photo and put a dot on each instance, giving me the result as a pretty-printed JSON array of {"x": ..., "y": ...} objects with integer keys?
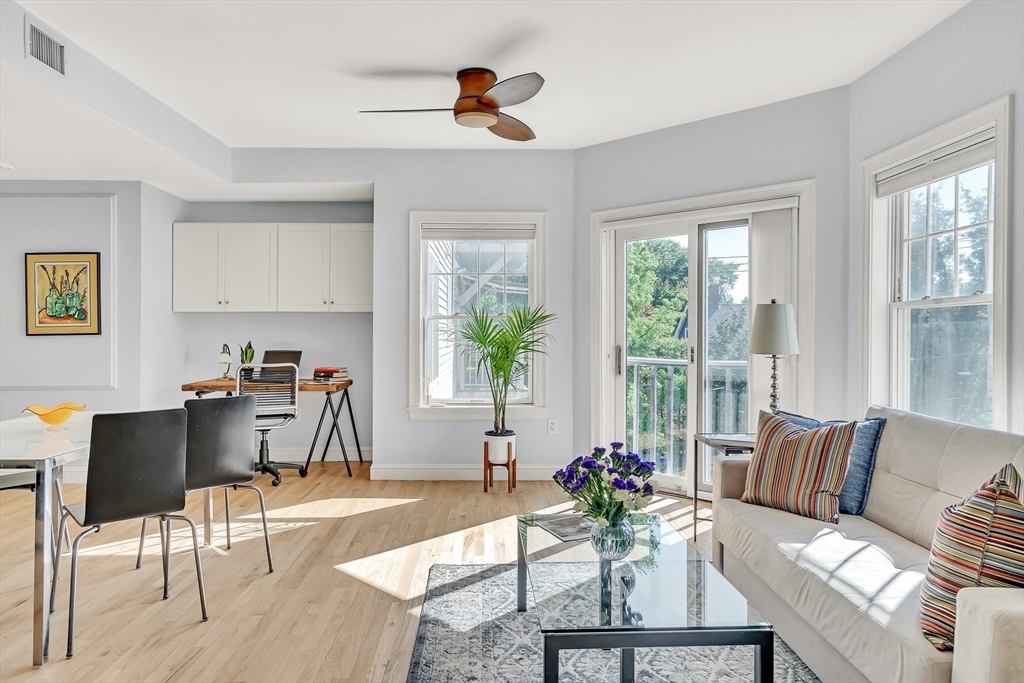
[
  {"x": 142, "y": 542},
  {"x": 63, "y": 529},
  {"x": 195, "y": 550},
  {"x": 227, "y": 516},
  {"x": 266, "y": 530},
  {"x": 165, "y": 549},
  {"x": 74, "y": 586},
  {"x": 58, "y": 486}
]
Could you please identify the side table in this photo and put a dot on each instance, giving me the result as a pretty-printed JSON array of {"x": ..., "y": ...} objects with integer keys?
[{"x": 726, "y": 444}]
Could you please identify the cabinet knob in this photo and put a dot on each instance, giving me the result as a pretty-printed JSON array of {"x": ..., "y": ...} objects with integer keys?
[
  {"x": 227, "y": 302},
  {"x": 325, "y": 302},
  {"x": 220, "y": 302},
  {"x": 332, "y": 302}
]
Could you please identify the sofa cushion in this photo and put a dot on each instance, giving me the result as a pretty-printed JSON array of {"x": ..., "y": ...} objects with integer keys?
[
  {"x": 925, "y": 465},
  {"x": 861, "y": 464},
  {"x": 979, "y": 542},
  {"x": 855, "y": 582},
  {"x": 799, "y": 470}
]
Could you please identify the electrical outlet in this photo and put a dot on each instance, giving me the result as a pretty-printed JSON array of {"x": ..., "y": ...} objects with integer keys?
[{"x": 552, "y": 426}]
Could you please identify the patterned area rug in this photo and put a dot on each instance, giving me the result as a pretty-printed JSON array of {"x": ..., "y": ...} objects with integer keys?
[{"x": 470, "y": 631}]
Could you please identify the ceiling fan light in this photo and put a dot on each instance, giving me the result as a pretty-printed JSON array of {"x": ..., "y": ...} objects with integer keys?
[{"x": 476, "y": 119}]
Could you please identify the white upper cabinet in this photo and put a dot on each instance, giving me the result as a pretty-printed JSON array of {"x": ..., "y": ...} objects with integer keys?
[
  {"x": 352, "y": 267},
  {"x": 309, "y": 267},
  {"x": 303, "y": 267},
  {"x": 198, "y": 267},
  {"x": 250, "y": 267}
]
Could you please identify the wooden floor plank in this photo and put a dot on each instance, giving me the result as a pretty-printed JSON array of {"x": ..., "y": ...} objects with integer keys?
[{"x": 351, "y": 559}]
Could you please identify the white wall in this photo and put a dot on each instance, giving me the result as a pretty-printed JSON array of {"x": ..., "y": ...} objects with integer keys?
[
  {"x": 971, "y": 59},
  {"x": 798, "y": 139},
  {"x": 72, "y": 216},
  {"x": 407, "y": 180}
]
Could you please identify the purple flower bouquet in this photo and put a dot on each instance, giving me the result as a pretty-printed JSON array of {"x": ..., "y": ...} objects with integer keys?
[{"x": 608, "y": 485}]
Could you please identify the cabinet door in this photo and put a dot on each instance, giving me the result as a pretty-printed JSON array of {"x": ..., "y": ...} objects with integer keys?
[
  {"x": 303, "y": 267},
  {"x": 197, "y": 267},
  {"x": 250, "y": 267},
  {"x": 352, "y": 267}
]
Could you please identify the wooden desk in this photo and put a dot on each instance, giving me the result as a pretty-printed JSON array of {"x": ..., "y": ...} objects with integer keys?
[{"x": 327, "y": 388}]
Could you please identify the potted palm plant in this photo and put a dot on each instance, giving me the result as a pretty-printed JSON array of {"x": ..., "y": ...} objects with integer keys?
[{"x": 506, "y": 347}]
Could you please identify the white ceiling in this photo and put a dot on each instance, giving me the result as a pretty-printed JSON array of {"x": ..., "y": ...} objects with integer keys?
[
  {"x": 295, "y": 74},
  {"x": 47, "y": 135}
]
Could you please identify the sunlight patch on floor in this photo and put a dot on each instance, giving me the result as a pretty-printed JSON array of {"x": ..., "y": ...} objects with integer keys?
[{"x": 333, "y": 508}]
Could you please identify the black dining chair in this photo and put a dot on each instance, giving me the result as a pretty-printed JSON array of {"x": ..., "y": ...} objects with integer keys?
[
  {"x": 136, "y": 469},
  {"x": 218, "y": 454}
]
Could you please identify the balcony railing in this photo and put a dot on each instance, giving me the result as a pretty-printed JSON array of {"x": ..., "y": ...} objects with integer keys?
[{"x": 656, "y": 407}]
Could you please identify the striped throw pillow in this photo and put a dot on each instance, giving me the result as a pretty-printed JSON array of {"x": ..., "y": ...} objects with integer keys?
[
  {"x": 799, "y": 470},
  {"x": 978, "y": 542}
]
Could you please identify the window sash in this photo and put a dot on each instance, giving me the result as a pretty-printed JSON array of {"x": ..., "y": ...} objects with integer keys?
[{"x": 472, "y": 233}]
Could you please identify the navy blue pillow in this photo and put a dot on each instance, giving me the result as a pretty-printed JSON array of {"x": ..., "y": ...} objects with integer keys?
[{"x": 861, "y": 465}]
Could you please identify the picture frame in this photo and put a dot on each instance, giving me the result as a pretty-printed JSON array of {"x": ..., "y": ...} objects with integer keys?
[{"x": 62, "y": 293}]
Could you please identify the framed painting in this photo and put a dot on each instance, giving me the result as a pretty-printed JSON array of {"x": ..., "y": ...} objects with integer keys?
[{"x": 62, "y": 293}]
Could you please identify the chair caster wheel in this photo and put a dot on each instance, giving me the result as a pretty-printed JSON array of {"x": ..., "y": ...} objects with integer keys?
[
  {"x": 276, "y": 482},
  {"x": 303, "y": 472}
]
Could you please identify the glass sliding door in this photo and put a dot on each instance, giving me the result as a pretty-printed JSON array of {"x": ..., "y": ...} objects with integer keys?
[{"x": 725, "y": 325}]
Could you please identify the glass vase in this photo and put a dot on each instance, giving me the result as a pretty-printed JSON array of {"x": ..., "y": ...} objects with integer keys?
[{"x": 614, "y": 541}]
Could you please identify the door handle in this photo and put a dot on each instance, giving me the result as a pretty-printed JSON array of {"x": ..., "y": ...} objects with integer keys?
[{"x": 618, "y": 360}]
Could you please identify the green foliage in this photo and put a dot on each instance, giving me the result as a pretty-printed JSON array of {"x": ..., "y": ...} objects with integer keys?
[
  {"x": 246, "y": 353},
  {"x": 505, "y": 346}
]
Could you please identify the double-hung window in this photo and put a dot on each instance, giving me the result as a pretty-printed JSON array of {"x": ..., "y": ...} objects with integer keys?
[
  {"x": 465, "y": 260},
  {"x": 942, "y": 312},
  {"x": 936, "y": 314}
]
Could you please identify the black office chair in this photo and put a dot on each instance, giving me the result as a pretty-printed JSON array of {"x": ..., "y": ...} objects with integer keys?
[
  {"x": 276, "y": 388},
  {"x": 218, "y": 454},
  {"x": 136, "y": 469}
]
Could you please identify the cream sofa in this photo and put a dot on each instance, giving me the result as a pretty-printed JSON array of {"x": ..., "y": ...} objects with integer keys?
[{"x": 846, "y": 596}]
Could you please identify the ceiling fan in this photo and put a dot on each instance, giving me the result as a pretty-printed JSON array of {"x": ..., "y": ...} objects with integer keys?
[{"x": 481, "y": 98}]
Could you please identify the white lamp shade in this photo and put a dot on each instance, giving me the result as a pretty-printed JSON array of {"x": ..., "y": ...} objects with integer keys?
[
  {"x": 224, "y": 358},
  {"x": 773, "y": 331}
]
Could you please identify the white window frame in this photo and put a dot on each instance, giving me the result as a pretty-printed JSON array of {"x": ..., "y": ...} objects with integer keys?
[
  {"x": 482, "y": 222},
  {"x": 879, "y": 344}
]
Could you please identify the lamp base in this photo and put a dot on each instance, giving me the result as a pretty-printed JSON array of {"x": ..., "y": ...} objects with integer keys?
[{"x": 774, "y": 396}]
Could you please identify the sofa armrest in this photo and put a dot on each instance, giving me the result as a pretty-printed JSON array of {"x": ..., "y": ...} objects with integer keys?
[
  {"x": 730, "y": 476},
  {"x": 988, "y": 636}
]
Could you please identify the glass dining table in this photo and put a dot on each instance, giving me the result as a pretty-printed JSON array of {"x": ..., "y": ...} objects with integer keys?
[{"x": 26, "y": 443}]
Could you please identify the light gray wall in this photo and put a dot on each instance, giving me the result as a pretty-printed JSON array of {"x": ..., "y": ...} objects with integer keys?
[
  {"x": 63, "y": 215},
  {"x": 969, "y": 60},
  {"x": 164, "y": 349},
  {"x": 407, "y": 180},
  {"x": 798, "y": 139}
]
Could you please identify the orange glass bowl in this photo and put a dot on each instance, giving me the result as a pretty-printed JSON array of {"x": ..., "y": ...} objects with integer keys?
[{"x": 55, "y": 416}]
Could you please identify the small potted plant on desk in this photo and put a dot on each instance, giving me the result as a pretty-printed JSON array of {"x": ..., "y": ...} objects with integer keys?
[
  {"x": 506, "y": 346},
  {"x": 245, "y": 355}
]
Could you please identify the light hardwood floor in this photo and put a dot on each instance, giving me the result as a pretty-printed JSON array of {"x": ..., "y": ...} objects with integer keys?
[{"x": 351, "y": 559}]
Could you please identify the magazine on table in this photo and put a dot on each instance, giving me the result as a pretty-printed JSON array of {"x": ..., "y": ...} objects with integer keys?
[{"x": 575, "y": 528}]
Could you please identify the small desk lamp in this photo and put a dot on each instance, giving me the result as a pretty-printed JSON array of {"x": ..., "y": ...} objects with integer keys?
[
  {"x": 225, "y": 358},
  {"x": 773, "y": 333}
]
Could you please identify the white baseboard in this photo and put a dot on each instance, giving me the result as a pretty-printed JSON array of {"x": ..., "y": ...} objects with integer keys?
[
  {"x": 456, "y": 472},
  {"x": 76, "y": 474}
]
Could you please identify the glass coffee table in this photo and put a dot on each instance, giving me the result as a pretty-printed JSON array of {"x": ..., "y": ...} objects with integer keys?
[{"x": 664, "y": 594}]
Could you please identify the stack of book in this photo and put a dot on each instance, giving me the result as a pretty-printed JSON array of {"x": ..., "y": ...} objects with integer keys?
[{"x": 326, "y": 374}]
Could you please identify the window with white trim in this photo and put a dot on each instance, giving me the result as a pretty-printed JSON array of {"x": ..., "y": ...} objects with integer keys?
[{"x": 496, "y": 265}]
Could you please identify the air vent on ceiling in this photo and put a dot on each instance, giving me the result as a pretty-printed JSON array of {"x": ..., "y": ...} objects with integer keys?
[{"x": 46, "y": 49}]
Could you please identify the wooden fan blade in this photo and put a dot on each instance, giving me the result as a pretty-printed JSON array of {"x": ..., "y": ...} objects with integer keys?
[
  {"x": 399, "y": 111},
  {"x": 512, "y": 128},
  {"x": 513, "y": 90}
]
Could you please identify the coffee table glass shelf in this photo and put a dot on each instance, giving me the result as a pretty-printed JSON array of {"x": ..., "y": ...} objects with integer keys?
[{"x": 664, "y": 594}]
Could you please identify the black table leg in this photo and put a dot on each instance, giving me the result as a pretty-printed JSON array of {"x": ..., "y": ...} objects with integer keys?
[
  {"x": 345, "y": 398},
  {"x": 335, "y": 428},
  {"x": 312, "y": 446},
  {"x": 626, "y": 665},
  {"x": 764, "y": 660},
  {"x": 520, "y": 570},
  {"x": 550, "y": 660}
]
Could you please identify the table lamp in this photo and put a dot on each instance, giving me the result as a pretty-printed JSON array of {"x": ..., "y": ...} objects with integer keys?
[
  {"x": 773, "y": 333},
  {"x": 225, "y": 358}
]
